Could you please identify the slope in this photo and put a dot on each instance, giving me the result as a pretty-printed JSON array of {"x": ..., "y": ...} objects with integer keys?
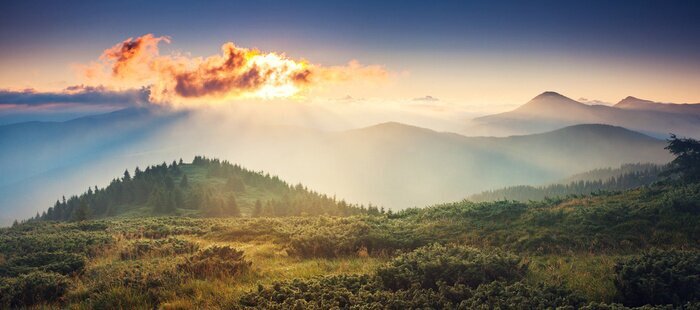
[
  {"x": 206, "y": 187},
  {"x": 410, "y": 166},
  {"x": 626, "y": 177}
]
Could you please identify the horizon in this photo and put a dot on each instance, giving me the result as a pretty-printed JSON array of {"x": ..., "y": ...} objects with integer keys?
[{"x": 17, "y": 117}]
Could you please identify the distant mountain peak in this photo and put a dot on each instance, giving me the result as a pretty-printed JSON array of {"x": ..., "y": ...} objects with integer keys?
[
  {"x": 552, "y": 97},
  {"x": 631, "y": 100},
  {"x": 549, "y": 102},
  {"x": 392, "y": 126},
  {"x": 549, "y": 94}
]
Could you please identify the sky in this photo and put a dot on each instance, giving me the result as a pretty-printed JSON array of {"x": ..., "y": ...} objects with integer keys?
[{"x": 485, "y": 56}]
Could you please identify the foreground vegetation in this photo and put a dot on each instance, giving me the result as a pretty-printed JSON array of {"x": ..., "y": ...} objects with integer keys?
[
  {"x": 576, "y": 252},
  {"x": 636, "y": 248}
]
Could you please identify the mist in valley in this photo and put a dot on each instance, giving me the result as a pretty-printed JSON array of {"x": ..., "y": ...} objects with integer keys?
[{"x": 367, "y": 155}]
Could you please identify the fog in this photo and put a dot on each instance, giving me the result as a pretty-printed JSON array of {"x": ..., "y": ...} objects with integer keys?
[{"x": 363, "y": 155}]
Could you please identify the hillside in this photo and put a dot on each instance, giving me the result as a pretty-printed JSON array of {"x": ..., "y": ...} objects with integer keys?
[
  {"x": 568, "y": 252},
  {"x": 626, "y": 177},
  {"x": 206, "y": 187},
  {"x": 550, "y": 110},
  {"x": 616, "y": 250},
  {"x": 411, "y": 166}
]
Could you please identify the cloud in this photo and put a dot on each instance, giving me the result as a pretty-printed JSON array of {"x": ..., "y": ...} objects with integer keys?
[
  {"x": 235, "y": 73},
  {"x": 426, "y": 98},
  {"x": 85, "y": 95},
  {"x": 593, "y": 101},
  {"x": 127, "y": 55}
]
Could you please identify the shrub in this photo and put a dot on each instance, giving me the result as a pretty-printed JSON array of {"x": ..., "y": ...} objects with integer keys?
[
  {"x": 431, "y": 265},
  {"x": 130, "y": 285},
  {"x": 216, "y": 261},
  {"x": 365, "y": 292},
  {"x": 659, "y": 277},
  {"x": 59, "y": 262},
  {"x": 339, "y": 292},
  {"x": 518, "y": 295},
  {"x": 159, "y": 247},
  {"x": 335, "y": 237},
  {"x": 32, "y": 288},
  {"x": 329, "y": 238},
  {"x": 92, "y": 226}
]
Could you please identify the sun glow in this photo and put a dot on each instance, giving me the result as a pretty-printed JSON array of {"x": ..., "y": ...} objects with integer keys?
[
  {"x": 236, "y": 73},
  {"x": 283, "y": 75}
]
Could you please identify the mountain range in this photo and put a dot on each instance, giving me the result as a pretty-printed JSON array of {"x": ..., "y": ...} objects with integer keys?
[
  {"x": 390, "y": 164},
  {"x": 551, "y": 110}
]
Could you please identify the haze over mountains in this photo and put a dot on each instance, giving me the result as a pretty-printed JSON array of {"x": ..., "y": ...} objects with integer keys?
[
  {"x": 632, "y": 103},
  {"x": 391, "y": 164},
  {"x": 550, "y": 110}
]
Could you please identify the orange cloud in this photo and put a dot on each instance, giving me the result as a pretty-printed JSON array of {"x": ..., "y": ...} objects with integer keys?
[
  {"x": 236, "y": 73},
  {"x": 128, "y": 55}
]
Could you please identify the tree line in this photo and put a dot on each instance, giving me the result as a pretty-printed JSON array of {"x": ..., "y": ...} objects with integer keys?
[{"x": 216, "y": 190}]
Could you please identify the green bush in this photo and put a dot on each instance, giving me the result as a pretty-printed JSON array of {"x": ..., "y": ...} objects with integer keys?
[
  {"x": 159, "y": 247},
  {"x": 32, "y": 288},
  {"x": 659, "y": 277},
  {"x": 431, "y": 265},
  {"x": 336, "y": 237},
  {"x": 518, "y": 295},
  {"x": 365, "y": 292},
  {"x": 59, "y": 262},
  {"x": 339, "y": 292},
  {"x": 216, "y": 261},
  {"x": 329, "y": 237},
  {"x": 135, "y": 284}
]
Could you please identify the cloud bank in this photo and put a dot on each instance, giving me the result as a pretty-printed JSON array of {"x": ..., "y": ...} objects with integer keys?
[
  {"x": 236, "y": 73},
  {"x": 80, "y": 94}
]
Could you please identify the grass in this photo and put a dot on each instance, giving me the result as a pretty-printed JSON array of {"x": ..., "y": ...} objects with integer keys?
[
  {"x": 270, "y": 263},
  {"x": 573, "y": 244},
  {"x": 588, "y": 275}
]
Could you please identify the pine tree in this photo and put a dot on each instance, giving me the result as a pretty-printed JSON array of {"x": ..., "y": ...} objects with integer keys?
[
  {"x": 169, "y": 183},
  {"x": 235, "y": 184},
  {"x": 127, "y": 176},
  {"x": 257, "y": 210},
  {"x": 157, "y": 200},
  {"x": 81, "y": 213},
  {"x": 176, "y": 201},
  {"x": 687, "y": 162},
  {"x": 233, "y": 208},
  {"x": 183, "y": 181}
]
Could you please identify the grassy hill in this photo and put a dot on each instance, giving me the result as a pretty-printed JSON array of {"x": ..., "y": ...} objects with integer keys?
[
  {"x": 622, "y": 250},
  {"x": 576, "y": 252},
  {"x": 206, "y": 187}
]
